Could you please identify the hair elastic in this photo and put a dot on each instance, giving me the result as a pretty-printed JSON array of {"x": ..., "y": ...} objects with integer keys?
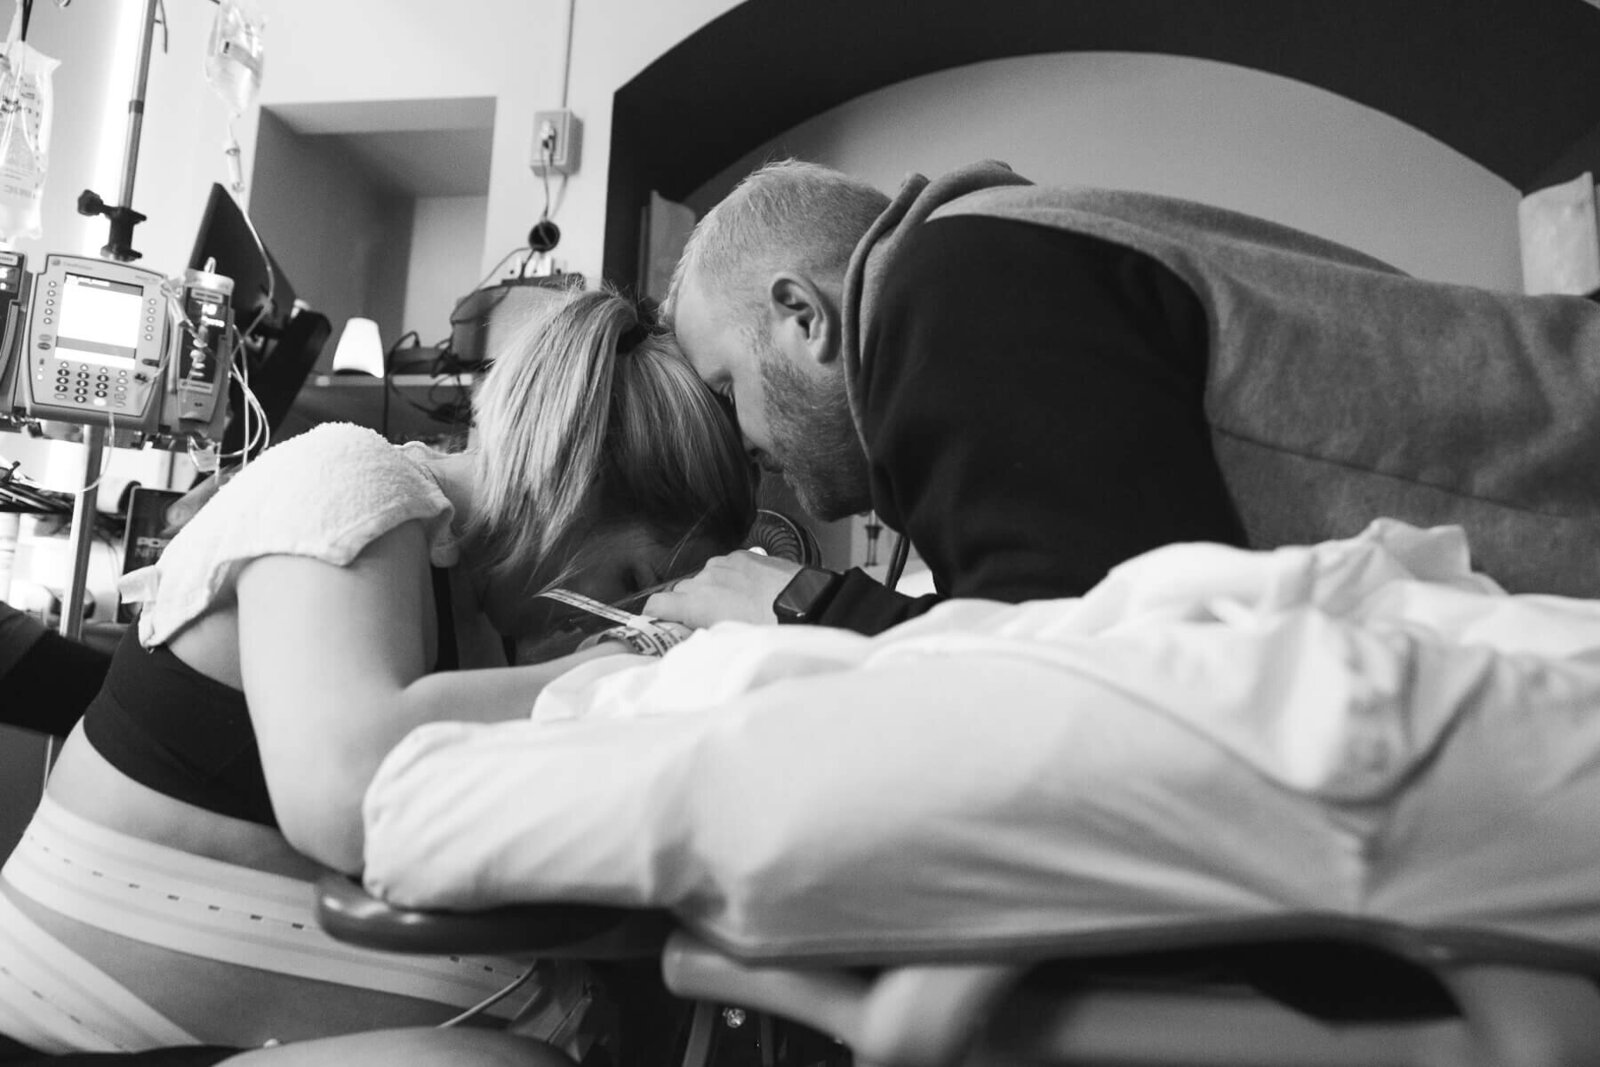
[{"x": 633, "y": 337}]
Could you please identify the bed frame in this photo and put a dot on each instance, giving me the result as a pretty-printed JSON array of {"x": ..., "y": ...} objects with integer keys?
[{"x": 1313, "y": 990}]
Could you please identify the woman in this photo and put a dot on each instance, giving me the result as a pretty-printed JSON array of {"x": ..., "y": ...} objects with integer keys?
[{"x": 298, "y": 627}]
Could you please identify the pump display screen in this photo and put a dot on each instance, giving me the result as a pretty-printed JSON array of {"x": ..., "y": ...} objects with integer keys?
[{"x": 99, "y": 320}]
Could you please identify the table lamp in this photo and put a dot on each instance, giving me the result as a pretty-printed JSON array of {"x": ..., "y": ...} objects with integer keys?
[{"x": 359, "y": 350}]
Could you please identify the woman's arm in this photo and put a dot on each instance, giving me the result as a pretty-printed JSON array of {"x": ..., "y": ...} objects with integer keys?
[{"x": 333, "y": 661}]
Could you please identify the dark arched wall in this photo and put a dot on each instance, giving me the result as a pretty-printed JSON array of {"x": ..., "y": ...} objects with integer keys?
[{"x": 1511, "y": 84}]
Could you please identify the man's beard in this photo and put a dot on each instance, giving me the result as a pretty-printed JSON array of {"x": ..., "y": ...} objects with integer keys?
[{"x": 814, "y": 440}]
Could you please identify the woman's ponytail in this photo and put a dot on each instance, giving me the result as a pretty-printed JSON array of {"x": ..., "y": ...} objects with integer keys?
[
  {"x": 541, "y": 419},
  {"x": 591, "y": 414}
]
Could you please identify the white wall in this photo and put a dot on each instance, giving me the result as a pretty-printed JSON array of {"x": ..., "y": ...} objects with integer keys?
[
  {"x": 613, "y": 40},
  {"x": 352, "y": 51},
  {"x": 342, "y": 237},
  {"x": 1201, "y": 129},
  {"x": 85, "y": 147},
  {"x": 1237, "y": 137},
  {"x": 322, "y": 51},
  {"x": 446, "y": 245},
  {"x": 185, "y": 125},
  {"x": 1185, "y": 127},
  {"x": 1189, "y": 127}
]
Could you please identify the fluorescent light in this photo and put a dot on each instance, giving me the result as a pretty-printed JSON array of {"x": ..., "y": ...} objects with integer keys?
[{"x": 106, "y": 179}]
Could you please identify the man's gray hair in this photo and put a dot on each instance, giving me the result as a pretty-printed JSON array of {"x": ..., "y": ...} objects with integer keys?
[{"x": 788, "y": 215}]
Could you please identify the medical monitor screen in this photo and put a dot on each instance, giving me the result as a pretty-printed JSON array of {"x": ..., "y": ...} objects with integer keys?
[{"x": 99, "y": 321}]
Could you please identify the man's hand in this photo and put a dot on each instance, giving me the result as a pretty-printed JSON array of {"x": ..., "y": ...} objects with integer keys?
[{"x": 741, "y": 585}]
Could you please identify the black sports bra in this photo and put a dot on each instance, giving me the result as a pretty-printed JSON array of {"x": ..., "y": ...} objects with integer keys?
[{"x": 169, "y": 727}]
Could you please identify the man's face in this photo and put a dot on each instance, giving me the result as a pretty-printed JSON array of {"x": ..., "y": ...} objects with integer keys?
[{"x": 793, "y": 412}]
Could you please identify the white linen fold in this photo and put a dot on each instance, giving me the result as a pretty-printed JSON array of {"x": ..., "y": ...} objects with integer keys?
[{"x": 1363, "y": 726}]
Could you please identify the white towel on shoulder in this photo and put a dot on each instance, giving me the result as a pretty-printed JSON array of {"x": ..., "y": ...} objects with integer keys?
[{"x": 326, "y": 494}]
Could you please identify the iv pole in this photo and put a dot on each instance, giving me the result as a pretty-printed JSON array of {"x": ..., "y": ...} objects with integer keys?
[{"x": 123, "y": 219}]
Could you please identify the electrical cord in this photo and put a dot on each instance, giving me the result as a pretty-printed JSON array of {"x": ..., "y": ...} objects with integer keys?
[
  {"x": 503, "y": 261},
  {"x": 547, "y": 150},
  {"x": 897, "y": 560},
  {"x": 241, "y": 337},
  {"x": 388, "y": 384},
  {"x": 259, "y": 436},
  {"x": 240, "y": 368},
  {"x": 545, "y": 235},
  {"x": 490, "y": 1001},
  {"x": 454, "y": 411},
  {"x": 22, "y": 494}
]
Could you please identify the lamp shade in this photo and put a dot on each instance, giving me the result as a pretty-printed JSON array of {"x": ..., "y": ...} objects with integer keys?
[{"x": 359, "y": 350}]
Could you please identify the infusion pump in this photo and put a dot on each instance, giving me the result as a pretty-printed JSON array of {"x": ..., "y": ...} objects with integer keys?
[{"x": 96, "y": 342}]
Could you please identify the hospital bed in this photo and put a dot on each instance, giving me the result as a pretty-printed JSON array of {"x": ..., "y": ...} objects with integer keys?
[
  {"x": 1302, "y": 990},
  {"x": 1326, "y": 805}
]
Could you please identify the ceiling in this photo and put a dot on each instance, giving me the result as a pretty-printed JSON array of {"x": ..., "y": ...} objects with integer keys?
[
  {"x": 416, "y": 148},
  {"x": 424, "y": 163}
]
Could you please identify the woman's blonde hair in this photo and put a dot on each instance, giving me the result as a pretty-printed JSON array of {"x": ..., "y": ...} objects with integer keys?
[{"x": 591, "y": 414}]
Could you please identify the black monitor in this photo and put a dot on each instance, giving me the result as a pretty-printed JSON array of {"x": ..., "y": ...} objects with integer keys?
[
  {"x": 224, "y": 236},
  {"x": 286, "y": 343}
]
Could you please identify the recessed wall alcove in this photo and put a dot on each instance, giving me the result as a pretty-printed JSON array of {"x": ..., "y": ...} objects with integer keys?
[{"x": 376, "y": 208}]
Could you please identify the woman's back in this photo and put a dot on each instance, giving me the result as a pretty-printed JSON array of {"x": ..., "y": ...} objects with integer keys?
[
  {"x": 157, "y": 862},
  {"x": 155, "y": 909}
]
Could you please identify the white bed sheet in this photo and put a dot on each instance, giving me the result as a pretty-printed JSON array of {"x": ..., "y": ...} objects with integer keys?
[{"x": 1363, "y": 726}]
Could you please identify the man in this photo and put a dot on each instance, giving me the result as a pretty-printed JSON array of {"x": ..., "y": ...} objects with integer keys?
[{"x": 1036, "y": 384}]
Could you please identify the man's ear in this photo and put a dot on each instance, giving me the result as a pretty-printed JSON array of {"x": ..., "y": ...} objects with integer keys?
[{"x": 804, "y": 318}]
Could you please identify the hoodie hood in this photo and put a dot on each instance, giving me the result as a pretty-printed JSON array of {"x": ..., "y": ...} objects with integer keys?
[{"x": 863, "y": 280}]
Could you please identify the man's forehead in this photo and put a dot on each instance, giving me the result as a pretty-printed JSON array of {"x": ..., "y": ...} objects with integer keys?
[{"x": 694, "y": 321}]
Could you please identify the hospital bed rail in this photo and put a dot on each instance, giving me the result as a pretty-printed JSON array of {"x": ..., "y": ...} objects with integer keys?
[{"x": 1308, "y": 990}]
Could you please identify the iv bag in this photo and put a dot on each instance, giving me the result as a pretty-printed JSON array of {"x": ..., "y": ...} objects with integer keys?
[
  {"x": 236, "y": 55},
  {"x": 24, "y": 136}
]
